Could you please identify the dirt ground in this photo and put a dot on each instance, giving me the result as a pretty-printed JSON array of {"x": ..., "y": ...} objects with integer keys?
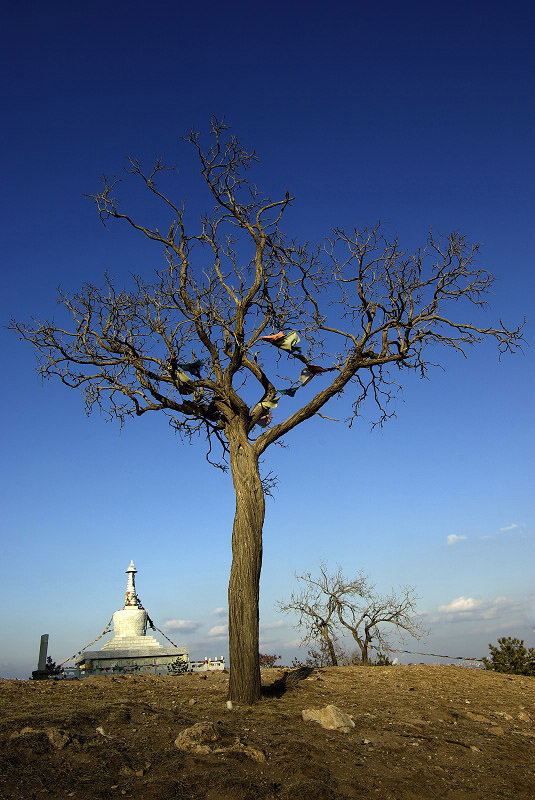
[{"x": 420, "y": 732}]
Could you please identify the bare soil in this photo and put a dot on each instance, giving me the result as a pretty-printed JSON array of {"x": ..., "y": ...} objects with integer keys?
[{"x": 420, "y": 732}]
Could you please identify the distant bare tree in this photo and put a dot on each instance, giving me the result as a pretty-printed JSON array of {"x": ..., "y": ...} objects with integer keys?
[
  {"x": 189, "y": 343},
  {"x": 316, "y": 616},
  {"x": 328, "y": 603}
]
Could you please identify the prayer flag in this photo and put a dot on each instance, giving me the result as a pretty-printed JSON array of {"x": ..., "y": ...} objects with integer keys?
[
  {"x": 289, "y": 342},
  {"x": 284, "y": 341},
  {"x": 270, "y": 403},
  {"x": 306, "y": 376},
  {"x": 273, "y": 338},
  {"x": 265, "y": 419},
  {"x": 317, "y": 370},
  {"x": 193, "y": 367}
]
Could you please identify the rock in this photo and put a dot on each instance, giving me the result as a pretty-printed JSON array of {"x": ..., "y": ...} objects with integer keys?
[
  {"x": 503, "y": 714},
  {"x": 25, "y": 732},
  {"x": 523, "y": 717},
  {"x": 477, "y": 717},
  {"x": 58, "y": 738},
  {"x": 192, "y": 702},
  {"x": 251, "y": 752},
  {"x": 255, "y": 755},
  {"x": 496, "y": 730},
  {"x": 197, "y": 738},
  {"x": 36, "y": 739},
  {"x": 329, "y": 717}
]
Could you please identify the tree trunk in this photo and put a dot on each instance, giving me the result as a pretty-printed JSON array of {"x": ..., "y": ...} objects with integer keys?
[
  {"x": 330, "y": 646},
  {"x": 363, "y": 647},
  {"x": 244, "y": 583}
]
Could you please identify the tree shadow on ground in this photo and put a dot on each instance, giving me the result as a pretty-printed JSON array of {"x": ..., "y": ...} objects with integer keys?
[{"x": 288, "y": 681}]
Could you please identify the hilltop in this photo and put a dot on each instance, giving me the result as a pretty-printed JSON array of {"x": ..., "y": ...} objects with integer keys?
[{"x": 420, "y": 732}]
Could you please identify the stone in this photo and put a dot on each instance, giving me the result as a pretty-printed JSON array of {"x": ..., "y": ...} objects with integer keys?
[
  {"x": 24, "y": 732},
  {"x": 496, "y": 730},
  {"x": 58, "y": 738},
  {"x": 251, "y": 752},
  {"x": 477, "y": 717},
  {"x": 329, "y": 717},
  {"x": 197, "y": 738}
]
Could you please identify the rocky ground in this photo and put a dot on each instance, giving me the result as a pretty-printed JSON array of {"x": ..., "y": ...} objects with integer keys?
[{"x": 419, "y": 732}]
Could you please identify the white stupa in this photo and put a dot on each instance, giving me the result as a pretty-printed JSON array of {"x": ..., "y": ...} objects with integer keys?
[
  {"x": 130, "y": 623},
  {"x": 130, "y": 649}
]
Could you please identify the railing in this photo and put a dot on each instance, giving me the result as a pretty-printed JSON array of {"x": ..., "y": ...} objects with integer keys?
[{"x": 208, "y": 665}]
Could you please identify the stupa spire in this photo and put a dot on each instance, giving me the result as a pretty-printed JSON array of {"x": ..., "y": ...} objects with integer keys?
[{"x": 131, "y": 596}]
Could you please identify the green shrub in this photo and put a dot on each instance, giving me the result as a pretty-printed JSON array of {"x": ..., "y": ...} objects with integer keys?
[
  {"x": 177, "y": 667},
  {"x": 511, "y": 656},
  {"x": 53, "y": 669}
]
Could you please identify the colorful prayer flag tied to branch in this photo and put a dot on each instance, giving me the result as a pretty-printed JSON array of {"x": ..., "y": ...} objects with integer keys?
[
  {"x": 104, "y": 632},
  {"x": 286, "y": 341},
  {"x": 289, "y": 342},
  {"x": 178, "y": 374}
]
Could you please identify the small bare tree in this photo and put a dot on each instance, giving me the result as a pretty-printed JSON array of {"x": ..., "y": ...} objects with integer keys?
[
  {"x": 194, "y": 342},
  {"x": 328, "y": 603},
  {"x": 316, "y": 612}
]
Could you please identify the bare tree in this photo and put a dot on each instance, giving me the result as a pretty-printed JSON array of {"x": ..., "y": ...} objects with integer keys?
[
  {"x": 188, "y": 343},
  {"x": 366, "y": 621},
  {"x": 329, "y": 603},
  {"x": 316, "y": 609}
]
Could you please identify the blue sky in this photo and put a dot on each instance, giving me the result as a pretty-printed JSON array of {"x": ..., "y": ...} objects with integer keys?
[{"x": 418, "y": 114}]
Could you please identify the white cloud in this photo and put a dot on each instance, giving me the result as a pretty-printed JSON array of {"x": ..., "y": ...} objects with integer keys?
[
  {"x": 518, "y": 529},
  {"x": 182, "y": 625},
  {"x": 270, "y": 626},
  {"x": 453, "y": 539},
  {"x": 219, "y": 612},
  {"x": 460, "y": 605},
  {"x": 469, "y": 608},
  {"x": 218, "y": 631},
  {"x": 293, "y": 643}
]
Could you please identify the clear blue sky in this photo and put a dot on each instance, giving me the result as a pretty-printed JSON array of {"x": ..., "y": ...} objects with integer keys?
[{"x": 420, "y": 114}]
